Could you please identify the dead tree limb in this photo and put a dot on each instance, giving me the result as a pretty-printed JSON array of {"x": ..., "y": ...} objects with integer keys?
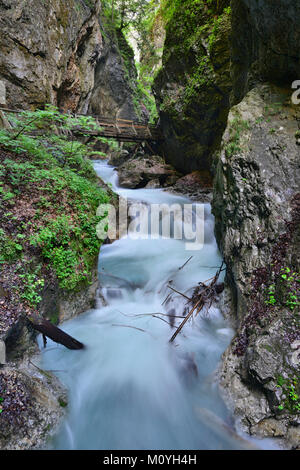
[
  {"x": 181, "y": 267},
  {"x": 177, "y": 291},
  {"x": 56, "y": 334},
  {"x": 186, "y": 319}
]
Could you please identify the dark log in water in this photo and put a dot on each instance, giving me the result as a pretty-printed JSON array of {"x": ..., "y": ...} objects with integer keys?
[{"x": 56, "y": 334}]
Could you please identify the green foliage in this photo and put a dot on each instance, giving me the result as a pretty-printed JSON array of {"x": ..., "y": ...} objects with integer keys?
[
  {"x": 32, "y": 285},
  {"x": 134, "y": 18},
  {"x": 202, "y": 76},
  {"x": 284, "y": 291},
  {"x": 238, "y": 126},
  {"x": 51, "y": 169},
  {"x": 291, "y": 399},
  {"x": 217, "y": 24},
  {"x": 189, "y": 25},
  {"x": 290, "y": 287},
  {"x": 143, "y": 95},
  {"x": 125, "y": 13},
  {"x": 10, "y": 249},
  {"x": 70, "y": 248},
  {"x": 271, "y": 300},
  {"x": 62, "y": 402}
]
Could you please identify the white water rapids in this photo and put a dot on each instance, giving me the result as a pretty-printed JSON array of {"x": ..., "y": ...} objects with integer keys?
[{"x": 130, "y": 388}]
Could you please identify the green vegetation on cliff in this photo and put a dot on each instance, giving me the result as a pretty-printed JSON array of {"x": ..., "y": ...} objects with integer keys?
[
  {"x": 192, "y": 87},
  {"x": 193, "y": 31},
  {"x": 49, "y": 195}
]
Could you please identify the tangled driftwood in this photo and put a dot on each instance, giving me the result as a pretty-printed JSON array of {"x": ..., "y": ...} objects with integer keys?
[{"x": 204, "y": 294}]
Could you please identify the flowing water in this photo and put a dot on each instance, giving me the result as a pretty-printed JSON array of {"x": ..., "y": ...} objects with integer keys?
[{"x": 130, "y": 388}]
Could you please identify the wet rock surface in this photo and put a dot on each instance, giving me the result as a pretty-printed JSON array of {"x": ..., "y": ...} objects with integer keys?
[
  {"x": 265, "y": 43},
  {"x": 150, "y": 171},
  {"x": 197, "y": 185},
  {"x": 115, "y": 78}
]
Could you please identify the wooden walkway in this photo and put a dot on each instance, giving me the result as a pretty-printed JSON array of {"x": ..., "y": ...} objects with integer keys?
[{"x": 123, "y": 130}]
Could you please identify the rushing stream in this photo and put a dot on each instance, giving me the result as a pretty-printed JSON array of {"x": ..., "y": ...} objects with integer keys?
[{"x": 130, "y": 388}]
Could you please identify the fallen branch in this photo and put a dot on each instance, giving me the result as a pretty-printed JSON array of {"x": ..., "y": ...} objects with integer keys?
[
  {"x": 24, "y": 127},
  {"x": 56, "y": 334},
  {"x": 129, "y": 326},
  {"x": 181, "y": 267},
  {"x": 177, "y": 291},
  {"x": 167, "y": 298},
  {"x": 44, "y": 371},
  {"x": 149, "y": 315},
  {"x": 185, "y": 320}
]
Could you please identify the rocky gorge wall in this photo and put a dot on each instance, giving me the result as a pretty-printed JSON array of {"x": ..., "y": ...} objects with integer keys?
[
  {"x": 63, "y": 53},
  {"x": 48, "y": 52},
  {"x": 257, "y": 209},
  {"x": 115, "y": 77}
]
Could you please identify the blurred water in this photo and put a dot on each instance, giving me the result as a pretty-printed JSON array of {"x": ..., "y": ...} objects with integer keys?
[{"x": 130, "y": 388}]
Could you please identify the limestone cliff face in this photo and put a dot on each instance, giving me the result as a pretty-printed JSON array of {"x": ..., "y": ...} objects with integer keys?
[
  {"x": 257, "y": 209},
  {"x": 61, "y": 52},
  {"x": 48, "y": 52},
  {"x": 192, "y": 88},
  {"x": 115, "y": 77}
]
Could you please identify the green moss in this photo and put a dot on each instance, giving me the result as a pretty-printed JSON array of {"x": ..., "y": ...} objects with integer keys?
[
  {"x": 267, "y": 347},
  {"x": 237, "y": 127},
  {"x": 190, "y": 26},
  {"x": 62, "y": 402}
]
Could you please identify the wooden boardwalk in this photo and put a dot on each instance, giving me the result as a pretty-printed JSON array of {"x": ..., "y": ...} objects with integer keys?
[{"x": 123, "y": 130}]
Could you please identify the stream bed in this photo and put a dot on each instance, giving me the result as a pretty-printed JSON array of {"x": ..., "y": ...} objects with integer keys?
[{"x": 130, "y": 388}]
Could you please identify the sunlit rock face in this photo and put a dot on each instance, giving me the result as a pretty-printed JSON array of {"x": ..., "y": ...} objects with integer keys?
[{"x": 48, "y": 52}]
